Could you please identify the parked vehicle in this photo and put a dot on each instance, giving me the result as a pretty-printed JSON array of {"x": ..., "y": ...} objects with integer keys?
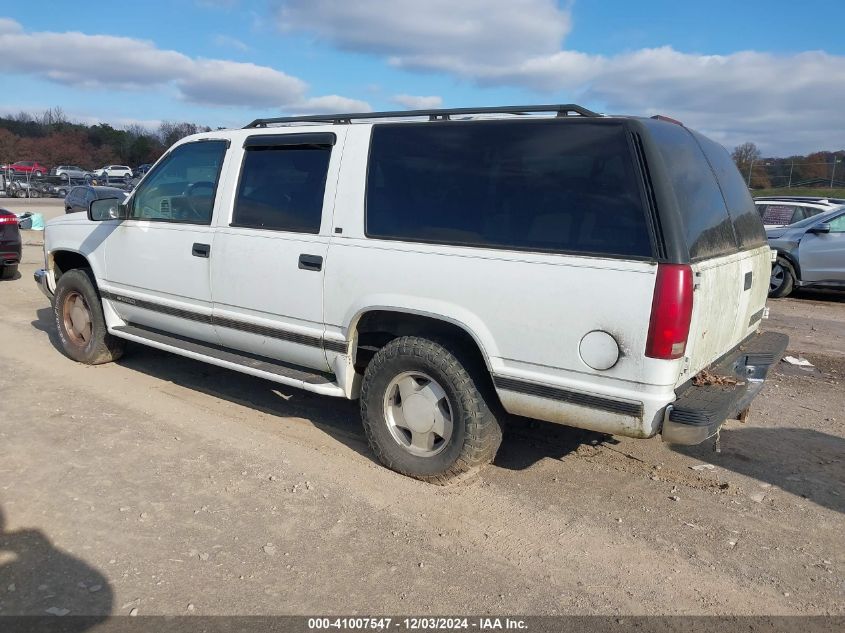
[
  {"x": 80, "y": 198},
  {"x": 69, "y": 171},
  {"x": 114, "y": 171},
  {"x": 543, "y": 261},
  {"x": 32, "y": 167},
  {"x": 785, "y": 210},
  {"x": 140, "y": 170},
  {"x": 10, "y": 244},
  {"x": 809, "y": 253}
]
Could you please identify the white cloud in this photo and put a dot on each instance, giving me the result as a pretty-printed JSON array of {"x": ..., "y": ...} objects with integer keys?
[
  {"x": 413, "y": 31},
  {"x": 332, "y": 104},
  {"x": 227, "y": 41},
  {"x": 104, "y": 61},
  {"x": 785, "y": 103},
  {"x": 412, "y": 102}
]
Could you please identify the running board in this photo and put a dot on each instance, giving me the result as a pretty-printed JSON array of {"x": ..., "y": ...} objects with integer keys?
[{"x": 271, "y": 369}]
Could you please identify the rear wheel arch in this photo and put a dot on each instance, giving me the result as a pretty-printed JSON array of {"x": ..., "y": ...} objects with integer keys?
[{"x": 373, "y": 329}]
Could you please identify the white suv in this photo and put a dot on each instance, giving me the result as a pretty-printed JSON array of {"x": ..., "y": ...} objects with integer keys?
[
  {"x": 114, "y": 171},
  {"x": 446, "y": 267}
]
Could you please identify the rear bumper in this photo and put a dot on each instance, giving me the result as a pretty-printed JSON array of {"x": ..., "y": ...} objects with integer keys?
[
  {"x": 699, "y": 412},
  {"x": 41, "y": 279}
]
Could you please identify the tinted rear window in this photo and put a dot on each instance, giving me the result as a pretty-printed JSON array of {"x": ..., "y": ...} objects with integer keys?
[
  {"x": 559, "y": 186},
  {"x": 707, "y": 226},
  {"x": 748, "y": 228}
]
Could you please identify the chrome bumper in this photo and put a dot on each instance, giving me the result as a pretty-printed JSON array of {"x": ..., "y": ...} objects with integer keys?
[{"x": 40, "y": 277}]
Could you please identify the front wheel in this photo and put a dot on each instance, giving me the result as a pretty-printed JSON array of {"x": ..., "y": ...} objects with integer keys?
[
  {"x": 80, "y": 322},
  {"x": 426, "y": 410},
  {"x": 782, "y": 280}
]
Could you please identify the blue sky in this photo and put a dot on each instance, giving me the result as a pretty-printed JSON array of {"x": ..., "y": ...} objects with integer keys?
[{"x": 769, "y": 72}]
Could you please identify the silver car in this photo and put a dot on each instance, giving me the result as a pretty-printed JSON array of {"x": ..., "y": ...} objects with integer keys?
[
  {"x": 69, "y": 171},
  {"x": 809, "y": 253}
]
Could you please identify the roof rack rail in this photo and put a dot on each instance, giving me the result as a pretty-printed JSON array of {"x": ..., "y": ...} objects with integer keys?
[{"x": 433, "y": 115}]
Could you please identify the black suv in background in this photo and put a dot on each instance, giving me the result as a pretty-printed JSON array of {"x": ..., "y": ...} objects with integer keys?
[{"x": 79, "y": 198}]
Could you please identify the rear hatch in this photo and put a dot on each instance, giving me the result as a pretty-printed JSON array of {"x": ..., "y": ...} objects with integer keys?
[{"x": 715, "y": 227}]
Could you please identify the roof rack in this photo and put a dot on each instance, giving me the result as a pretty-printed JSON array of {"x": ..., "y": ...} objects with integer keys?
[{"x": 433, "y": 115}]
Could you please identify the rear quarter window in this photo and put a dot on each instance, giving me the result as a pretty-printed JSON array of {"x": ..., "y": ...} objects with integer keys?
[
  {"x": 747, "y": 226},
  {"x": 707, "y": 227},
  {"x": 543, "y": 185}
]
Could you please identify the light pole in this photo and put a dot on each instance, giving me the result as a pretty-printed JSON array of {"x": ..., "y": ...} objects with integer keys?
[
  {"x": 833, "y": 169},
  {"x": 750, "y": 167}
]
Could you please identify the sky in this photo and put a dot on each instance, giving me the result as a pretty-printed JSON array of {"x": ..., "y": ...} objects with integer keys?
[{"x": 770, "y": 72}]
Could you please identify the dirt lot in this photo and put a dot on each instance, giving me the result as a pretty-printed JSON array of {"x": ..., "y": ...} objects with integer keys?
[{"x": 169, "y": 486}]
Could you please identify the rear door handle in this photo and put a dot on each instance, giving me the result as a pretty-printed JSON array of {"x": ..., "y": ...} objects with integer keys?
[
  {"x": 200, "y": 250},
  {"x": 310, "y": 262}
]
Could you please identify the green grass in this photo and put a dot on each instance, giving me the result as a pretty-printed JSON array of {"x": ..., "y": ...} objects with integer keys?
[{"x": 795, "y": 191}]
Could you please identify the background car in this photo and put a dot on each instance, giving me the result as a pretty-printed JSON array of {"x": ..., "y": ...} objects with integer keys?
[
  {"x": 782, "y": 211},
  {"x": 80, "y": 198},
  {"x": 10, "y": 244},
  {"x": 28, "y": 167},
  {"x": 809, "y": 253},
  {"x": 140, "y": 170},
  {"x": 113, "y": 171},
  {"x": 69, "y": 171}
]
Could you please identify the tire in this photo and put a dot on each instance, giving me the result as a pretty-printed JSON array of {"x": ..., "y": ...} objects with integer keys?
[
  {"x": 8, "y": 271},
  {"x": 86, "y": 343},
  {"x": 782, "y": 281},
  {"x": 20, "y": 193},
  {"x": 460, "y": 397}
]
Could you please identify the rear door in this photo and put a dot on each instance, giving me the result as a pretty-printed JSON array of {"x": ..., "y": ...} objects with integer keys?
[
  {"x": 822, "y": 255},
  {"x": 725, "y": 241},
  {"x": 270, "y": 253}
]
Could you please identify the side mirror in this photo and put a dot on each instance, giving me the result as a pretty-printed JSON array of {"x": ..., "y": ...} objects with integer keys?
[
  {"x": 107, "y": 209},
  {"x": 824, "y": 227}
]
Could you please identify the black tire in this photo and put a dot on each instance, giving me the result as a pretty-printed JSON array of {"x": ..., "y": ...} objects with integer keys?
[
  {"x": 20, "y": 193},
  {"x": 782, "y": 281},
  {"x": 100, "y": 346},
  {"x": 8, "y": 271},
  {"x": 476, "y": 432}
]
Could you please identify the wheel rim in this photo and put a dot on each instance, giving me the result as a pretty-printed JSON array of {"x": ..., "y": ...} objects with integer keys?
[
  {"x": 77, "y": 319},
  {"x": 777, "y": 278},
  {"x": 418, "y": 414}
]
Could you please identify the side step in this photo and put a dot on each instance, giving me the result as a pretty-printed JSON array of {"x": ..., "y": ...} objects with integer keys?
[{"x": 261, "y": 366}]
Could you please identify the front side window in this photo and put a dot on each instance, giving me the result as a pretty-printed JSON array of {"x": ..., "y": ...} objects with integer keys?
[
  {"x": 837, "y": 225},
  {"x": 183, "y": 185},
  {"x": 282, "y": 187},
  {"x": 545, "y": 185}
]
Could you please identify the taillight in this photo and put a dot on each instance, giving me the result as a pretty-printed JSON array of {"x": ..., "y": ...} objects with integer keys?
[
  {"x": 671, "y": 311},
  {"x": 8, "y": 219}
]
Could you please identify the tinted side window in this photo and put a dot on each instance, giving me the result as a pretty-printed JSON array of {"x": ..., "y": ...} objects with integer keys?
[
  {"x": 183, "y": 185},
  {"x": 707, "y": 225},
  {"x": 780, "y": 214},
  {"x": 282, "y": 188},
  {"x": 747, "y": 226},
  {"x": 545, "y": 185}
]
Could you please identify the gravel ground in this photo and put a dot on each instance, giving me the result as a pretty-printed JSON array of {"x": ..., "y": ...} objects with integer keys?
[{"x": 166, "y": 486}]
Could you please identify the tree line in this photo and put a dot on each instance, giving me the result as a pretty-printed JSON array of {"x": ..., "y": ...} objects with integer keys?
[
  {"x": 52, "y": 139},
  {"x": 815, "y": 169}
]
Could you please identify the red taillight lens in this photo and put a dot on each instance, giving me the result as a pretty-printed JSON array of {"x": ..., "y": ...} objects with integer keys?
[
  {"x": 671, "y": 311},
  {"x": 8, "y": 219}
]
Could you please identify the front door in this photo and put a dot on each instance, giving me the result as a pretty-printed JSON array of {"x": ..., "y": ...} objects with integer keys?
[
  {"x": 822, "y": 255},
  {"x": 157, "y": 260},
  {"x": 270, "y": 256}
]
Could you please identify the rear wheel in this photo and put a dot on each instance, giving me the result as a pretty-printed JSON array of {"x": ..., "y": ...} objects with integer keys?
[
  {"x": 8, "y": 271},
  {"x": 782, "y": 280},
  {"x": 80, "y": 322},
  {"x": 426, "y": 410}
]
